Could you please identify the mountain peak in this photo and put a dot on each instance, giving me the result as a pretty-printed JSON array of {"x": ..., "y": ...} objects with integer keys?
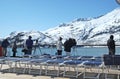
[
  {"x": 91, "y": 30},
  {"x": 84, "y": 30}
]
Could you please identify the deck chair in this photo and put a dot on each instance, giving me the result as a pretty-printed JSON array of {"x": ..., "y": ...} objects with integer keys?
[
  {"x": 2, "y": 62},
  {"x": 12, "y": 62},
  {"x": 23, "y": 64},
  {"x": 92, "y": 69},
  {"x": 53, "y": 67},
  {"x": 37, "y": 64},
  {"x": 71, "y": 68},
  {"x": 86, "y": 58}
]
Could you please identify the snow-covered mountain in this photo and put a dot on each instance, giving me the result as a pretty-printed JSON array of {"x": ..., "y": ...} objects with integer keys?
[
  {"x": 36, "y": 35},
  {"x": 84, "y": 30},
  {"x": 90, "y": 31}
]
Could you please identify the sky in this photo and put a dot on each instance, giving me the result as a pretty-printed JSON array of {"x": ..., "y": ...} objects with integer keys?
[{"x": 40, "y": 15}]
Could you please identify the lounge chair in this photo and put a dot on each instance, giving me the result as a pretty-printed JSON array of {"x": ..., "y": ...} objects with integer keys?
[
  {"x": 55, "y": 64},
  {"x": 72, "y": 65},
  {"x": 94, "y": 66}
]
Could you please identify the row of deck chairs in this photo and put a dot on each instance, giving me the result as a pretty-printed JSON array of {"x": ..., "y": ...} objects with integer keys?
[{"x": 66, "y": 66}]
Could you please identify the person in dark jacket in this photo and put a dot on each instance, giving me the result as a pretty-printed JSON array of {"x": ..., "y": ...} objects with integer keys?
[
  {"x": 14, "y": 49},
  {"x": 29, "y": 44},
  {"x": 111, "y": 45},
  {"x": 4, "y": 45},
  {"x": 68, "y": 44}
]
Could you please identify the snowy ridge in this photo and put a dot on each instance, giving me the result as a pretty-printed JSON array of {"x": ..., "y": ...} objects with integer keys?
[
  {"x": 85, "y": 31},
  {"x": 94, "y": 31}
]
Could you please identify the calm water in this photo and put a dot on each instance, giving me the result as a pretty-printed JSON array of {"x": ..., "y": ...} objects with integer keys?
[{"x": 82, "y": 51}]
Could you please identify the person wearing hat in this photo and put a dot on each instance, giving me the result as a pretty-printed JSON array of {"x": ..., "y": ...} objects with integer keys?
[
  {"x": 59, "y": 46},
  {"x": 29, "y": 45}
]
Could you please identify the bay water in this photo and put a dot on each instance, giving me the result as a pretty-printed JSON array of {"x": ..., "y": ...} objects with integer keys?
[{"x": 76, "y": 51}]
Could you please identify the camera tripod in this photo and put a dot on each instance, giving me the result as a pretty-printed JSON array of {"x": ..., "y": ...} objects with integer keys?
[{"x": 37, "y": 47}]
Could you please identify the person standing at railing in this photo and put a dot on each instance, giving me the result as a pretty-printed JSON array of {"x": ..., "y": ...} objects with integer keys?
[
  {"x": 59, "y": 46},
  {"x": 68, "y": 44},
  {"x": 14, "y": 49},
  {"x": 5, "y": 44},
  {"x": 111, "y": 45},
  {"x": 29, "y": 44}
]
